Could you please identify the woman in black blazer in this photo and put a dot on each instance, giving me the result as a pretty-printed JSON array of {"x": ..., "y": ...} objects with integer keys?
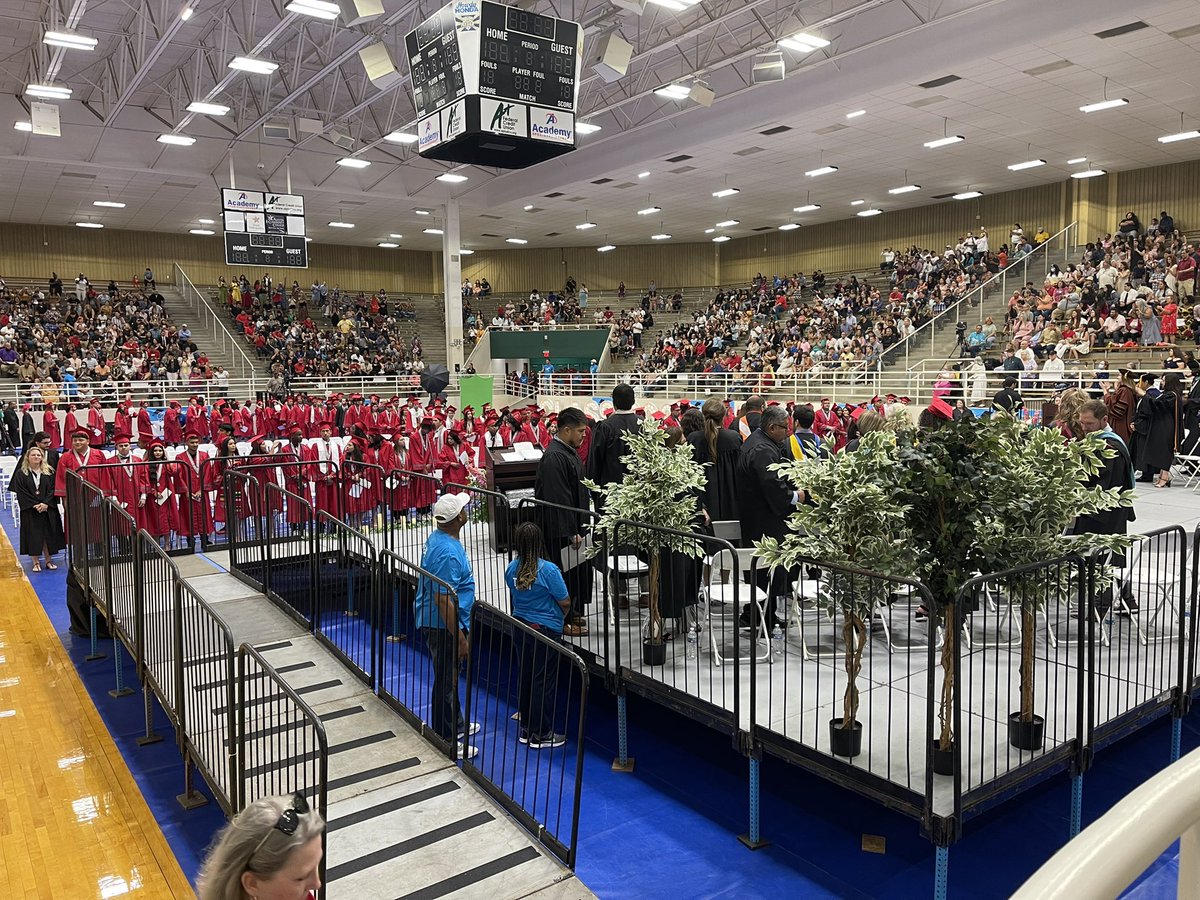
[{"x": 41, "y": 522}]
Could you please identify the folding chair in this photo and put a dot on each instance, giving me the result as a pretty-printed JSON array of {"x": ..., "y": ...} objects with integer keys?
[
  {"x": 1142, "y": 581},
  {"x": 719, "y": 593}
]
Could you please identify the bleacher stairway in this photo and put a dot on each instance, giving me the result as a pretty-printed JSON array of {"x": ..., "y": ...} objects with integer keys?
[{"x": 204, "y": 331}]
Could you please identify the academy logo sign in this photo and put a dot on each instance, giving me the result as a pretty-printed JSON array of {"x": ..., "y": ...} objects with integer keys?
[
  {"x": 499, "y": 117},
  {"x": 242, "y": 201},
  {"x": 551, "y": 126},
  {"x": 430, "y": 133}
]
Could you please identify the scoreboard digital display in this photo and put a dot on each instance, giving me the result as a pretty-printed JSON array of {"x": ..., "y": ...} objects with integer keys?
[
  {"x": 528, "y": 58},
  {"x": 436, "y": 63},
  {"x": 264, "y": 230}
]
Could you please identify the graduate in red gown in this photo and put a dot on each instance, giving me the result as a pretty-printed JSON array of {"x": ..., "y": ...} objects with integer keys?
[
  {"x": 413, "y": 414},
  {"x": 193, "y": 502},
  {"x": 80, "y": 457},
  {"x": 96, "y": 426},
  {"x": 51, "y": 426},
  {"x": 827, "y": 425},
  {"x": 124, "y": 480},
  {"x": 358, "y": 482},
  {"x": 452, "y": 462},
  {"x": 157, "y": 510},
  {"x": 393, "y": 457},
  {"x": 327, "y": 455},
  {"x": 354, "y": 415},
  {"x": 70, "y": 424},
  {"x": 197, "y": 421},
  {"x": 227, "y": 459},
  {"x": 145, "y": 431},
  {"x": 295, "y": 480},
  {"x": 423, "y": 455},
  {"x": 122, "y": 420},
  {"x": 243, "y": 422},
  {"x": 172, "y": 430}
]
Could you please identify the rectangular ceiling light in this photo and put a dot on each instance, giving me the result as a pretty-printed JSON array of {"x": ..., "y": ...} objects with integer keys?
[
  {"x": 823, "y": 170},
  {"x": 318, "y": 9},
  {"x": 869, "y": 212},
  {"x": 1078, "y": 159},
  {"x": 660, "y": 237},
  {"x": 203, "y": 108},
  {"x": 465, "y": 252},
  {"x": 1090, "y": 173},
  {"x": 856, "y": 114},
  {"x": 388, "y": 245},
  {"x": 178, "y": 140},
  {"x": 111, "y": 204},
  {"x": 434, "y": 231},
  {"x": 790, "y": 226},
  {"x": 807, "y": 207},
  {"x": 728, "y": 223},
  {"x": 675, "y": 5},
  {"x": 88, "y": 225},
  {"x": 341, "y": 224},
  {"x": 803, "y": 43},
  {"x": 353, "y": 162},
  {"x": 721, "y": 238},
  {"x": 586, "y": 128},
  {"x": 606, "y": 248},
  {"x": 945, "y": 141},
  {"x": 451, "y": 178},
  {"x": 968, "y": 195},
  {"x": 515, "y": 240},
  {"x": 857, "y": 202},
  {"x": 23, "y": 126},
  {"x": 1103, "y": 104},
  {"x": 726, "y": 192},
  {"x": 906, "y": 189},
  {"x": 584, "y": 226},
  {"x": 674, "y": 91},
  {"x": 400, "y": 137},
  {"x": 1181, "y": 136},
  {"x": 1028, "y": 164},
  {"x": 50, "y": 91},
  {"x": 649, "y": 210},
  {"x": 200, "y": 231},
  {"x": 250, "y": 64},
  {"x": 70, "y": 40}
]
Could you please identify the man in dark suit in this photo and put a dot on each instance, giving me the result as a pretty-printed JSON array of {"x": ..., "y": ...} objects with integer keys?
[
  {"x": 12, "y": 428},
  {"x": 559, "y": 481},
  {"x": 608, "y": 440},
  {"x": 766, "y": 500}
]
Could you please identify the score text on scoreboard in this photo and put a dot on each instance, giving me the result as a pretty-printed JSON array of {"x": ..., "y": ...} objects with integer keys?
[
  {"x": 527, "y": 58},
  {"x": 264, "y": 229}
]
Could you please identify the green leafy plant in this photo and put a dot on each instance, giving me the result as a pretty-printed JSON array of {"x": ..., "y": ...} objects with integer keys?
[
  {"x": 660, "y": 489},
  {"x": 854, "y": 516}
]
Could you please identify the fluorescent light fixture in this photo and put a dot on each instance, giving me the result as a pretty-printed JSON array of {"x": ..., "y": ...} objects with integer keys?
[
  {"x": 23, "y": 126},
  {"x": 463, "y": 251},
  {"x": 395, "y": 237},
  {"x": 587, "y": 128},
  {"x": 721, "y": 238},
  {"x": 807, "y": 207},
  {"x": 709, "y": 230},
  {"x": 945, "y": 141},
  {"x": 318, "y": 9},
  {"x": 341, "y": 224},
  {"x": 205, "y": 221},
  {"x": 185, "y": 13},
  {"x": 1078, "y": 159},
  {"x": 649, "y": 210},
  {"x": 111, "y": 204},
  {"x": 70, "y": 40},
  {"x": 857, "y": 202},
  {"x": 728, "y": 223},
  {"x": 643, "y": 174},
  {"x": 803, "y": 43},
  {"x": 606, "y": 248},
  {"x": 201, "y": 231},
  {"x": 400, "y": 137},
  {"x": 308, "y": 240},
  {"x": 1103, "y": 104},
  {"x": 822, "y": 170},
  {"x": 1090, "y": 173},
  {"x": 674, "y": 91},
  {"x": 968, "y": 195},
  {"x": 388, "y": 245},
  {"x": 906, "y": 189},
  {"x": 88, "y": 225},
  {"x": 869, "y": 212},
  {"x": 1181, "y": 136},
  {"x": 250, "y": 64},
  {"x": 204, "y": 108},
  {"x": 353, "y": 162},
  {"x": 790, "y": 226},
  {"x": 49, "y": 91},
  {"x": 584, "y": 226},
  {"x": 451, "y": 178},
  {"x": 660, "y": 237},
  {"x": 725, "y": 192},
  {"x": 673, "y": 5},
  {"x": 1028, "y": 164},
  {"x": 528, "y": 207},
  {"x": 425, "y": 212},
  {"x": 178, "y": 140},
  {"x": 433, "y": 231},
  {"x": 515, "y": 240},
  {"x": 856, "y": 114}
]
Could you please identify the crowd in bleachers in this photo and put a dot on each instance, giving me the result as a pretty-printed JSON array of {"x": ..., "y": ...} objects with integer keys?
[
  {"x": 322, "y": 332},
  {"x": 68, "y": 346}
]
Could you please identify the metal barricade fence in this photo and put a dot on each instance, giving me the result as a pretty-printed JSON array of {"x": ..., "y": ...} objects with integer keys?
[
  {"x": 532, "y": 764},
  {"x": 363, "y": 496},
  {"x": 247, "y": 526},
  {"x": 205, "y": 679},
  {"x": 121, "y": 575},
  {"x": 347, "y": 616},
  {"x": 216, "y": 506},
  {"x": 290, "y": 575},
  {"x": 163, "y": 489},
  {"x": 156, "y": 651},
  {"x": 409, "y": 670}
]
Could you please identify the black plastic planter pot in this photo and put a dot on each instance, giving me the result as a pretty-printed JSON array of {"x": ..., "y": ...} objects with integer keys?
[
  {"x": 1026, "y": 735},
  {"x": 654, "y": 654},
  {"x": 845, "y": 742},
  {"x": 943, "y": 760}
]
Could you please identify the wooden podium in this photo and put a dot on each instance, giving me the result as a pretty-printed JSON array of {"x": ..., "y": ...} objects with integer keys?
[{"x": 502, "y": 477}]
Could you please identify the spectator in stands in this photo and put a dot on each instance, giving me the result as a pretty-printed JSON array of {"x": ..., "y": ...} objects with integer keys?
[
  {"x": 1129, "y": 225},
  {"x": 271, "y": 849}
]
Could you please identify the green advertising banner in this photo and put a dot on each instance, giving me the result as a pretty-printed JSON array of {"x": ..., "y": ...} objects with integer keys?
[{"x": 475, "y": 390}]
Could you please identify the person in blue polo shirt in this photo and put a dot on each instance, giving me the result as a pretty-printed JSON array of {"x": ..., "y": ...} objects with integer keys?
[
  {"x": 539, "y": 600},
  {"x": 445, "y": 618}
]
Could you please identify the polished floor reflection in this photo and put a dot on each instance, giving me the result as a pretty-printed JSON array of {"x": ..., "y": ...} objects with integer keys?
[{"x": 72, "y": 821}]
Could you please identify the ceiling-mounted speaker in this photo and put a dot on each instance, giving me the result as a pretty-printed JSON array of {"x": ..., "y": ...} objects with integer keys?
[
  {"x": 278, "y": 128},
  {"x": 379, "y": 65},
  {"x": 767, "y": 67},
  {"x": 340, "y": 139},
  {"x": 702, "y": 94},
  {"x": 309, "y": 126},
  {"x": 613, "y": 59},
  {"x": 356, "y": 11},
  {"x": 635, "y": 6}
]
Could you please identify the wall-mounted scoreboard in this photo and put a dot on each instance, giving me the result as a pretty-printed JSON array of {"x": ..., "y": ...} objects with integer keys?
[
  {"x": 264, "y": 229},
  {"x": 495, "y": 85}
]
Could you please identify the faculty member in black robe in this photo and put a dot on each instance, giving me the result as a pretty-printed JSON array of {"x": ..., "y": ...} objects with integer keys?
[
  {"x": 28, "y": 428},
  {"x": 41, "y": 522},
  {"x": 559, "y": 480},
  {"x": 1159, "y": 423},
  {"x": 720, "y": 469},
  {"x": 608, "y": 441}
]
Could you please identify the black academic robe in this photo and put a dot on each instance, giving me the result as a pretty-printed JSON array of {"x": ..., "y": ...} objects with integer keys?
[
  {"x": 720, "y": 478},
  {"x": 559, "y": 480},
  {"x": 1115, "y": 472},
  {"x": 1163, "y": 416},
  {"x": 28, "y": 429},
  {"x": 38, "y": 529},
  {"x": 765, "y": 500},
  {"x": 12, "y": 425},
  {"x": 608, "y": 446}
]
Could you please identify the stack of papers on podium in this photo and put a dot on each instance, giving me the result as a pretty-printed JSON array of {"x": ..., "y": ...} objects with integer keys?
[{"x": 527, "y": 450}]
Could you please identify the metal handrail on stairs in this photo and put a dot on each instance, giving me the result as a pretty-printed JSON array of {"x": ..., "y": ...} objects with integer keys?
[{"x": 231, "y": 344}]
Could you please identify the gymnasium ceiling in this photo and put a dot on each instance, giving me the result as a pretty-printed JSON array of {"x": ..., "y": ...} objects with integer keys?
[{"x": 1022, "y": 69}]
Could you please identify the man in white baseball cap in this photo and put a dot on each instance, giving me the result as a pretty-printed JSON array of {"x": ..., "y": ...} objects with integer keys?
[{"x": 445, "y": 618}]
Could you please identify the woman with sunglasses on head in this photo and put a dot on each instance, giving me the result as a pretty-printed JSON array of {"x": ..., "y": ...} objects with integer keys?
[{"x": 270, "y": 851}]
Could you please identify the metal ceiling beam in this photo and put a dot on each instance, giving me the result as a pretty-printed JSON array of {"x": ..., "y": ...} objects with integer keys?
[{"x": 147, "y": 63}]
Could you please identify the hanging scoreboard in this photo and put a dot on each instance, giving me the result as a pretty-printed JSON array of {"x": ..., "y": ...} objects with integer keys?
[
  {"x": 494, "y": 85},
  {"x": 264, "y": 229}
]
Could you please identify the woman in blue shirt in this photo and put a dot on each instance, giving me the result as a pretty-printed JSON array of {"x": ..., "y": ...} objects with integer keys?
[{"x": 539, "y": 600}]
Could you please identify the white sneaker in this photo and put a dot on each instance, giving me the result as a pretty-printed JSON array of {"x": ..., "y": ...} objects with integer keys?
[
  {"x": 466, "y": 751},
  {"x": 469, "y": 729}
]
